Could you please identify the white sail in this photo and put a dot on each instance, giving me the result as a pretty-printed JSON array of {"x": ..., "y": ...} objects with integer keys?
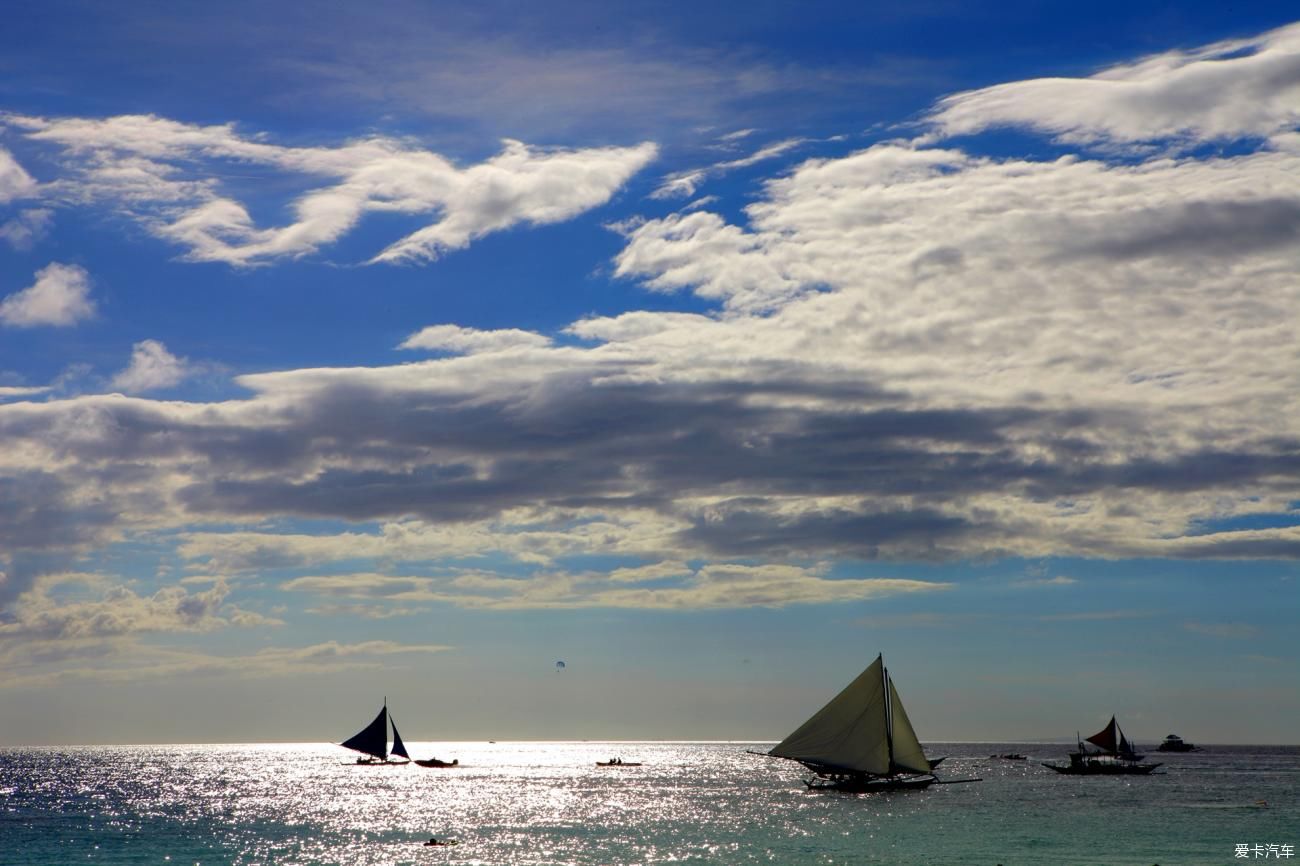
[
  {"x": 908, "y": 755},
  {"x": 850, "y": 733}
]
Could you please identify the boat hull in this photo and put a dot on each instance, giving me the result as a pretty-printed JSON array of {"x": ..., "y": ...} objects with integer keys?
[
  {"x": 436, "y": 764},
  {"x": 871, "y": 784}
]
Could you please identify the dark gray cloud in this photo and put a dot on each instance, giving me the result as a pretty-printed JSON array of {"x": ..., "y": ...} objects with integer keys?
[
  {"x": 1221, "y": 230},
  {"x": 873, "y": 478}
]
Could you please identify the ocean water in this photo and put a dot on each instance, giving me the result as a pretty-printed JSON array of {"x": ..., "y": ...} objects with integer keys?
[{"x": 698, "y": 803}]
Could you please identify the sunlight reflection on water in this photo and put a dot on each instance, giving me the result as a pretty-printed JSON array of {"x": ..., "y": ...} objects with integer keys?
[{"x": 547, "y": 803}]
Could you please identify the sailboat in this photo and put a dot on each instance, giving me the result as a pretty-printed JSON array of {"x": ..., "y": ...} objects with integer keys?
[
  {"x": 1116, "y": 756},
  {"x": 372, "y": 741},
  {"x": 862, "y": 741}
]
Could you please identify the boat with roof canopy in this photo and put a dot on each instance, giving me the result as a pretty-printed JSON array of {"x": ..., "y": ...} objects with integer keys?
[{"x": 1115, "y": 756}]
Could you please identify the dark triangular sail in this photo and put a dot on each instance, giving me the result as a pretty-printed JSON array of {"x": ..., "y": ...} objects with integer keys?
[
  {"x": 1108, "y": 737},
  {"x": 399, "y": 748},
  {"x": 373, "y": 738}
]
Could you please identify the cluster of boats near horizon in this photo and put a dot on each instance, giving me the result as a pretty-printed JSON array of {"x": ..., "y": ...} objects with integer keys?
[{"x": 861, "y": 742}]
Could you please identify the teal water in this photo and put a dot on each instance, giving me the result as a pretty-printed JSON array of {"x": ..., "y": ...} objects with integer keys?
[{"x": 699, "y": 803}]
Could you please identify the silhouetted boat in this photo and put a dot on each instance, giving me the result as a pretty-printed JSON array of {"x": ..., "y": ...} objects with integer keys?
[
  {"x": 1116, "y": 757},
  {"x": 1174, "y": 743},
  {"x": 862, "y": 741},
  {"x": 434, "y": 762},
  {"x": 618, "y": 762},
  {"x": 372, "y": 741},
  {"x": 1010, "y": 756}
]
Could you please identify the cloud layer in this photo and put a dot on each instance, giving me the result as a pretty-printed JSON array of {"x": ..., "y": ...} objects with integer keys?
[{"x": 913, "y": 351}]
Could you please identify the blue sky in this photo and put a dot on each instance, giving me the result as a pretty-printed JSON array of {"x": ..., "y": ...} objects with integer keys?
[{"x": 404, "y": 350}]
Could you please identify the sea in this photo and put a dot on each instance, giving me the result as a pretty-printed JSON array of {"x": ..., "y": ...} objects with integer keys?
[{"x": 698, "y": 803}]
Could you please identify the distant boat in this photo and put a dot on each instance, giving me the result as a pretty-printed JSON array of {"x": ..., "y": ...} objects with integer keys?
[
  {"x": 618, "y": 762},
  {"x": 1010, "y": 756},
  {"x": 1116, "y": 757},
  {"x": 1174, "y": 743},
  {"x": 434, "y": 762},
  {"x": 372, "y": 741},
  {"x": 862, "y": 741}
]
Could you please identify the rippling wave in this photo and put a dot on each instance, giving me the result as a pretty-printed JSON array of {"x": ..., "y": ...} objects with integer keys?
[{"x": 548, "y": 803}]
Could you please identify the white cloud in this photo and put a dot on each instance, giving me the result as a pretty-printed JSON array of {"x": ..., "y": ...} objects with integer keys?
[
  {"x": 23, "y": 231},
  {"x": 520, "y": 185},
  {"x": 14, "y": 181},
  {"x": 152, "y": 367},
  {"x": 453, "y": 338},
  {"x": 10, "y": 391},
  {"x": 1235, "y": 89},
  {"x": 117, "y": 611},
  {"x": 1059, "y": 580},
  {"x": 59, "y": 297},
  {"x": 663, "y": 586},
  {"x": 169, "y": 176}
]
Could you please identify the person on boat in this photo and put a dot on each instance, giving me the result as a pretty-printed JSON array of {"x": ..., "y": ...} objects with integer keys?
[{"x": 434, "y": 842}]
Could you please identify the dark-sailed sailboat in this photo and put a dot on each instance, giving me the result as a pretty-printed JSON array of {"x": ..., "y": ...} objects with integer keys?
[
  {"x": 862, "y": 741},
  {"x": 1116, "y": 756},
  {"x": 372, "y": 741}
]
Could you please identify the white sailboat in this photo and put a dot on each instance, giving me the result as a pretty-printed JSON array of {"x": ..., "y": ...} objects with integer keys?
[
  {"x": 372, "y": 741},
  {"x": 862, "y": 741}
]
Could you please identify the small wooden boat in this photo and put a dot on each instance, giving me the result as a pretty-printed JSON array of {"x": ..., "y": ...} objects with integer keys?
[
  {"x": 434, "y": 762},
  {"x": 618, "y": 762}
]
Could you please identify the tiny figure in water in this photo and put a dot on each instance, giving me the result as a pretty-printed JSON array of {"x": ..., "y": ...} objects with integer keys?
[{"x": 433, "y": 841}]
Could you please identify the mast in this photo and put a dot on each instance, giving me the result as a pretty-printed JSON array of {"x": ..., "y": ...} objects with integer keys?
[{"x": 889, "y": 710}]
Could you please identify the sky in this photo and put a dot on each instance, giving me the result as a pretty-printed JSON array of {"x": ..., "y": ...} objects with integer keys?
[{"x": 401, "y": 350}]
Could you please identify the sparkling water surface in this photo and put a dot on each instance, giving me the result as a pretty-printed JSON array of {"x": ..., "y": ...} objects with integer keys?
[{"x": 701, "y": 803}]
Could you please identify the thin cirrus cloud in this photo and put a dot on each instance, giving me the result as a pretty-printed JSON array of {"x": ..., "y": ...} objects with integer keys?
[
  {"x": 683, "y": 184},
  {"x": 172, "y": 177},
  {"x": 135, "y": 662},
  {"x": 663, "y": 586},
  {"x": 1229, "y": 90},
  {"x": 60, "y": 297}
]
